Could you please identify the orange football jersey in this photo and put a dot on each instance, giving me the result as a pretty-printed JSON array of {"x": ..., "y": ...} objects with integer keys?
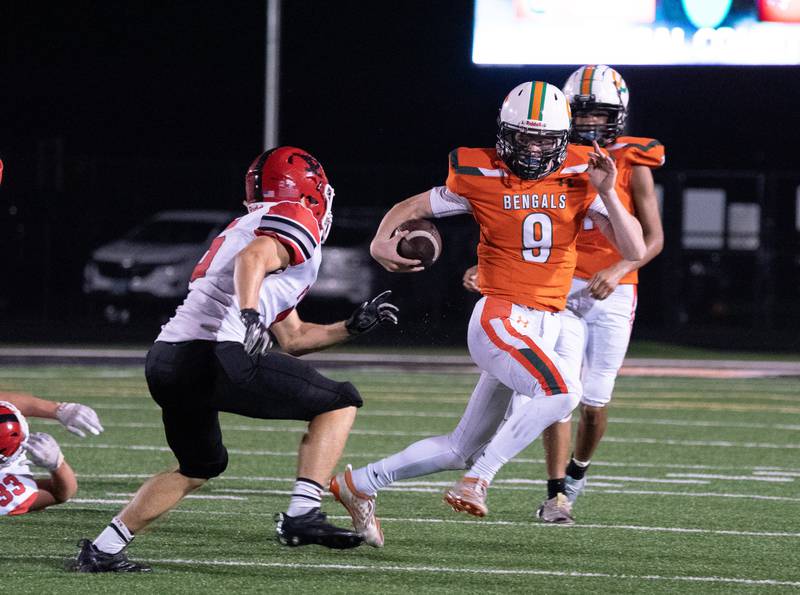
[
  {"x": 595, "y": 252},
  {"x": 526, "y": 252}
]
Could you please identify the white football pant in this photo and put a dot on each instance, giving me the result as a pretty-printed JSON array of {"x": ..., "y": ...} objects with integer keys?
[
  {"x": 594, "y": 338},
  {"x": 514, "y": 346}
]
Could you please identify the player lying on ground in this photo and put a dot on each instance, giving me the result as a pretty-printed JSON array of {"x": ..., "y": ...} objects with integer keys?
[
  {"x": 19, "y": 491},
  {"x": 212, "y": 356},
  {"x": 529, "y": 209},
  {"x": 596, "y": 325}
]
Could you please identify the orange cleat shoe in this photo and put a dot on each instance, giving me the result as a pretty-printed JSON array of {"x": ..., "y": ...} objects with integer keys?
[
  {"x": 360, "y": 506},
  {"x": 468, "y": 495}
]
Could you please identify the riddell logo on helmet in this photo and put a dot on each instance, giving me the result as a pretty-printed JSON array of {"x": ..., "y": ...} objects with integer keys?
[{"x": 535, "y": 123}]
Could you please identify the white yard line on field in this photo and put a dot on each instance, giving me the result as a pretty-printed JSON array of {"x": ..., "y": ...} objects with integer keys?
[
  {"x": 777, "y": 473},
  {"x": 525, "y": 481},
  {"x": 188, "y": 497},
  {"x": 694, "y": 494},
  {"x": 501, "y": 484},
  {"x": 698, "y": 424},
  {"x": 781, "y": 471},
  {"x": 485, "y": 522},
  {"x": 444, "y": 569},
  {"x": 97, "y": 501},
  {"x": 768, "y": 478},
  {"x": 446, "y": 415},
  {"x": 704, "y": 443},
  {"x": 612, "y": 439}
]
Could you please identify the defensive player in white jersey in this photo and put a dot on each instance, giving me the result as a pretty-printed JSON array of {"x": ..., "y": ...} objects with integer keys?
[
  {"x": 596, "y": 326},
  {"x": 529, "y": 203},
  {"x": 20, "y": 492},
  {"x": 212, "y": 356}
]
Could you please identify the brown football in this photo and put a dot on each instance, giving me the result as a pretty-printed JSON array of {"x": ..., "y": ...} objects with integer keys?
[{"x": 422, "y": 243}]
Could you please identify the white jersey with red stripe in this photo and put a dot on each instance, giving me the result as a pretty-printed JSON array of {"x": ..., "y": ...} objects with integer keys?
[
  {"x": 211, "y": 310},
  {"x": 18, "y": 489}
]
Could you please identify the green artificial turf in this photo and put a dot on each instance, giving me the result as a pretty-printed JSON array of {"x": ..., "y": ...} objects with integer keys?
[{"x": 678, "y": 499}]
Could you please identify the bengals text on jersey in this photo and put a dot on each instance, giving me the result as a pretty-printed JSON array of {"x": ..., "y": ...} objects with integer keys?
[{"x": 528, "y": 228}]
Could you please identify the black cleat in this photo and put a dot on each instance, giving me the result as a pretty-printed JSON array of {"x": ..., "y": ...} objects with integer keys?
[
  {"x": 312, "y": 528},
  {"x": 90, "y": 559}
]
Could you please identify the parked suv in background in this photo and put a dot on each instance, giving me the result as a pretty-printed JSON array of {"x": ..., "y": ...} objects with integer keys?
[
  {"x": 152, "y": 263},
  {"x": 149, "y": 268}
]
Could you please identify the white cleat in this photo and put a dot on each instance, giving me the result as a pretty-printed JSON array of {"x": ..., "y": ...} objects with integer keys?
[
  {"x": 557, "y": 511},
  {"x": 360, "y": 506},
  {"x": 468, "y": 495}
]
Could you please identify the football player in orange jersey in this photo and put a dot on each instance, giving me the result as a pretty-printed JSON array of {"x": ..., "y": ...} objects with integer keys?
[
  {"x": 596, "y": 326},
  {"x": 529, "y": 203}
]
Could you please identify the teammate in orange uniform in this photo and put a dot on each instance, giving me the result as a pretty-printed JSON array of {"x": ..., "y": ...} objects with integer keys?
[
  {"x": 596, "y": 326},
  {"x": 529, "y": 209}
]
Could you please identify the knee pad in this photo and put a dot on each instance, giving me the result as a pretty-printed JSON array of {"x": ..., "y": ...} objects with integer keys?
[{"x": 571, "y": 401}]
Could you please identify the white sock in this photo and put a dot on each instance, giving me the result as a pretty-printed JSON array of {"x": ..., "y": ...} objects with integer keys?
[
  {"x": 527, "y": 421},
  {"x": 421, "y": 458},
  {"x": 487, "y": 466},
  {"x": 306, "y": 496},
  {"x": 583, "y": 464},
  {"x": 114, "y": 538}
]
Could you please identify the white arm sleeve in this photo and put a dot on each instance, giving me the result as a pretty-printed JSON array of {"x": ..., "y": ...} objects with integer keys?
[
  {"x": 599, "y": 215},
  {"x": 598, "y": 207},
  {"x": 445, "y": 203}
]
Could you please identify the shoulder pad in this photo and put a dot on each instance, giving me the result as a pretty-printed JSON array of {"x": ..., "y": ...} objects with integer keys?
[
  {"x": 294, "y": 226},
  {"x": 639, "y": 151},
  {"x": 473, "y": 162},
  {"x": 576, "y": 161}
]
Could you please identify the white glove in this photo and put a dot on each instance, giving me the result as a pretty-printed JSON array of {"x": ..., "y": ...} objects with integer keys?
[
  {"x": 44, "y": 451},
  {"x": 78, "y": 419}
]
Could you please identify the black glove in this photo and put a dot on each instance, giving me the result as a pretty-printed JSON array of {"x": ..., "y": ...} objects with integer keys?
[
  {"x": 256, "y": 336},
  {"x": 369, "y": 314}
]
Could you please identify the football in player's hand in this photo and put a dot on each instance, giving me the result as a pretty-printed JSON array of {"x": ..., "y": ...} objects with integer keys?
[{"x": 423, "y": 241}]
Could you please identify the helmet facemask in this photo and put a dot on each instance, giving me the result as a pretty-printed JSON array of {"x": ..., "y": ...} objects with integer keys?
[
  {"x": 604, "y": 133},
  {"x": 531, "y": 154},
  {"x": 597, "y": 89},
  {"x": 326, "y": 220}
]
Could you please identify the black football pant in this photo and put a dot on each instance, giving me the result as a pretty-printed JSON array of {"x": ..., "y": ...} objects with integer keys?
[{"x": 194, "y": 380}]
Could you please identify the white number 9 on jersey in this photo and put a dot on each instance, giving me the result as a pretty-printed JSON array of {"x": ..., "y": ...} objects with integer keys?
[{"x": 537, "y": 237}]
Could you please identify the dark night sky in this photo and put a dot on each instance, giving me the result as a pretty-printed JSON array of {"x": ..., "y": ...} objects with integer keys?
[
  {"x": 159, "y": 105},
  {"x": 379, "y": 91}
]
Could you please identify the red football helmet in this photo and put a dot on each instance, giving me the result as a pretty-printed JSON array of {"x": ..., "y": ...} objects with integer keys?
[
  {"x": 291, "y": 174},
  {"x": 13, "y": 433}
]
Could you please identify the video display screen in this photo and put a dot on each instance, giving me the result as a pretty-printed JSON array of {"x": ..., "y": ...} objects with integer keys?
[{"x": 645, "y": 32}]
